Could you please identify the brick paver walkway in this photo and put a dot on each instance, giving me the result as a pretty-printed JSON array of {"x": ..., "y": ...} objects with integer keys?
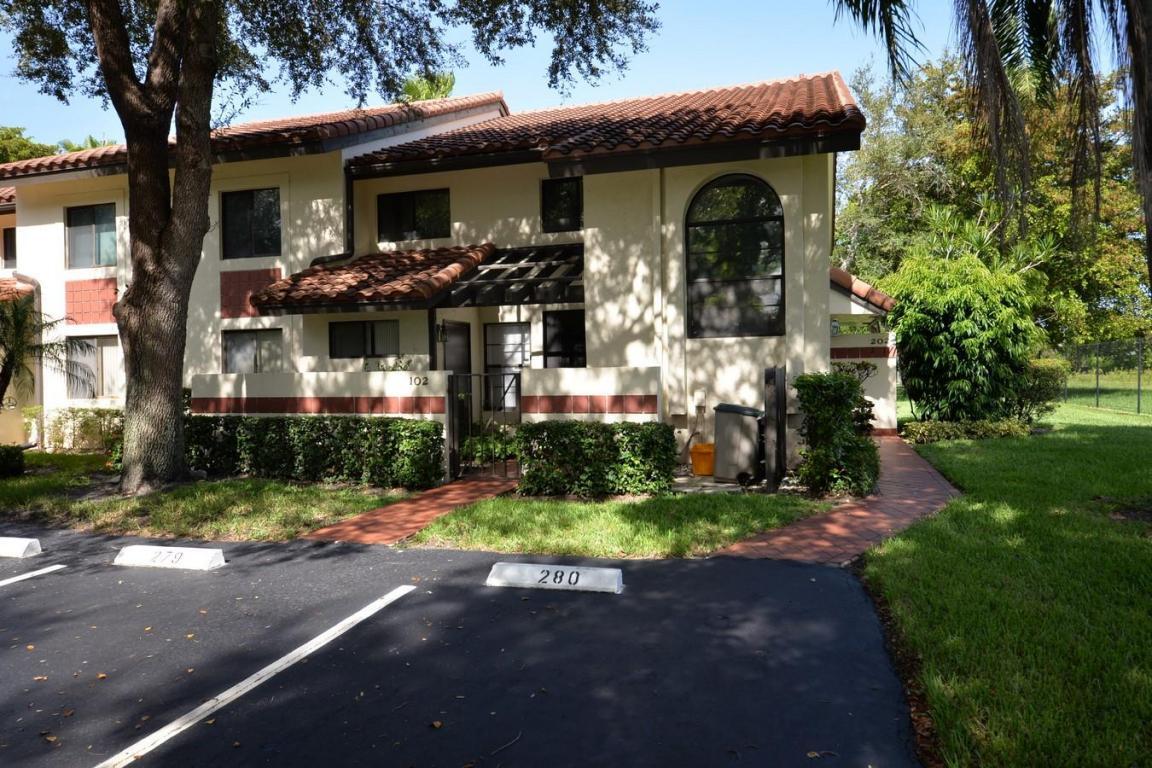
[
  {"x": 398, "y": 521},
  {"x": 909, "y": 489}
]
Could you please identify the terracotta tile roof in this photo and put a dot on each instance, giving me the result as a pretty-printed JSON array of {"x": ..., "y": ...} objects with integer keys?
[
  {"x": 7, "y": 199},
  {"x": 805, "y": 106},
  {"x": 376, "y": 278},
  {"x": 291, "y": 131},
  {"x": 15, "y": 288},
  {"x": 861, "y": 290}
]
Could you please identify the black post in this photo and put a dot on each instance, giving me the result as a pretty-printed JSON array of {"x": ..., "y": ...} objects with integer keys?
[
  {"x": 1139, "y": 371},
  {"x": 775, "y": 426},
  {"x": 1097, "y": 374}
]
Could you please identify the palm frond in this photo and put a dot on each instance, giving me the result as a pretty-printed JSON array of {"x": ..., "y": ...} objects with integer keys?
[
  {"x": 1001, "y": 118},
  {"x": 1087, "y": 154},
  {"x": 892, "y": 22}
]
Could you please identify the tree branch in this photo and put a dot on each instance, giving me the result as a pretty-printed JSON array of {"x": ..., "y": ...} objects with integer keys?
[{"x": 114, "y": 52}]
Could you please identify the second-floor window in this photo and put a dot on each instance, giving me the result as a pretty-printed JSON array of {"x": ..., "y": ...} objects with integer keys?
[
  {"x": 10, "y": 248},
  {"x": 371, "y": 338},
  {"x": 91, "y": 235},
  {"x": 419, "y": 215},
  {"x": 562, "y": 204},
  {"x": 259, "y": 351},
  {"x": 250, "y": 223}
]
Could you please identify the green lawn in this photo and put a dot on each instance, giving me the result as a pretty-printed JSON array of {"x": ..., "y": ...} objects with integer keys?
[
  {"x": 1029, "y": 604},
  {"x": 1118, "y": 390},
  {"x": 240, "y": 509},
  {"x": 662, "y": 526}
]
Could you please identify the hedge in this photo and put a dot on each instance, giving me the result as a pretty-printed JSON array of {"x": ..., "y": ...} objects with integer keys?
[
  {"x": 590, "y": 459},
  {"x": 934, "y": 431},
  {"x": 375, "y": 451},
  {"x": 839, "y": 456},
  {"x": 81, "y": 430},
  {"x": 11, "y": 460}
]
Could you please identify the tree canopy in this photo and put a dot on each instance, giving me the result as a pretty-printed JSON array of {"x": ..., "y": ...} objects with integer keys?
[
  {"x": 923, "y": 173},
  {"x": 165, "y": 63},
  {"x": 14, "y": 145}
]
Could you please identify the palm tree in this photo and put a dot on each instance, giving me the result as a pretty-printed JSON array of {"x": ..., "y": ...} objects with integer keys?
[
  {"x": 437, "y": 85},
  {"x": 88, "y": 142},
  {"x": 23, "y": 330},
  {"x": 1006, "y": 41}
]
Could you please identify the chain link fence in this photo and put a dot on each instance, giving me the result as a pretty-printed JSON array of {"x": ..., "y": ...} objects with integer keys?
[{"x": 1110, "y": 374}]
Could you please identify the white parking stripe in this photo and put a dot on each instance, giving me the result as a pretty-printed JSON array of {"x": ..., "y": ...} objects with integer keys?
[
  {"x": 176, "y": 727},
  {"x": 23, "y": 576}
]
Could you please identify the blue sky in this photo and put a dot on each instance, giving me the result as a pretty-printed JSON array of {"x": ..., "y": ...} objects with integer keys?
[{"x": 700, "y": 44}]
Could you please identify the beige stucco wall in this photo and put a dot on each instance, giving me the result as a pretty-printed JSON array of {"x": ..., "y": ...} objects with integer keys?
[
  {"x": 11, "y": 420},
  {"x": 880, "y": 388},
  {"x": 634, "y": 269}
]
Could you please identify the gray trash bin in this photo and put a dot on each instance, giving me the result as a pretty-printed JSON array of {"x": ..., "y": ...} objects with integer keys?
[{"x": 737, "y": 442}]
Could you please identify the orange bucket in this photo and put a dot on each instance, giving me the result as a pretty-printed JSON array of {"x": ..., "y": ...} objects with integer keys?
[{"x": 703, "y": 458}]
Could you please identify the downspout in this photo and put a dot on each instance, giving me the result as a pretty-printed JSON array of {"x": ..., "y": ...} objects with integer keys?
[{"x": 349, "y": 213}]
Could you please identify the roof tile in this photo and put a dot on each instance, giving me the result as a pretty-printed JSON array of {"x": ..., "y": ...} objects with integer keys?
[
  {"x": 861, "y": 290},
  {"x": 287, "y": 131},
  {"x": 803, "y": 106},
  {"x": 389, "y": 277}
]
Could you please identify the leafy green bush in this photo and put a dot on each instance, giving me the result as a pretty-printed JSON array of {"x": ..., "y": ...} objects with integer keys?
[
  {"x": 488, "y": 445},
  {"x": 839, "y": 456},
  {"x": 83, "y": 430},
  {"x": 935, "y": 431},
  {"x": 590, "y": 459},
  {"x": 11, "y": 461},
  {"x": 964, "y": 333},
  {"x": 1039, "y": 388},
  {"x": 377, "y": 451}
]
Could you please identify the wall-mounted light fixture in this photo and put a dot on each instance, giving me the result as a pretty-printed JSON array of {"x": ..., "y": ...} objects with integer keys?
[
  {"x": 835, "y": 327},
  {"x": 442, "y": 331}
]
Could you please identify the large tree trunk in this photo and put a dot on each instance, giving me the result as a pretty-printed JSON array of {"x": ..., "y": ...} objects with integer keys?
[
  {"x": 166, "y": 224},
  {"x": 1139, "y": 39}
]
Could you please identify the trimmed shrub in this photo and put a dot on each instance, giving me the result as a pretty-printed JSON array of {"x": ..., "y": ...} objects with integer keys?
[
  {"x": 590, "y": 459},
  {"x": 964, "y": 333},
  {"x": 375, "y": 451},
  {"x": 839, "y": 456},
  {"x": 934, "y": 431},
  {"x": 1040, "y": 386},
  {"x": 82, "y": 430},
  {"x": 11, "y": 461}
]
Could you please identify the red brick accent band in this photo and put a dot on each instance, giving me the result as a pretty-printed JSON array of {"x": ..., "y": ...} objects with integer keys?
[
  {"x": 237, "y": 287},
  {"x": 363, "y": 405},
  {"x": 843, "y": 353},
  {"x": 90, "y": 301},
  {"x": 588, "y": 404}
]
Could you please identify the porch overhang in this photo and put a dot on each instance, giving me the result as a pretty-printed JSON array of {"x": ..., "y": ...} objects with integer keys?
[{"x": 463, "y": 276}]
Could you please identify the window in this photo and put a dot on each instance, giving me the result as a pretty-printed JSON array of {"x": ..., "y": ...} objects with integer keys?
[
  {"x": 95, "y": 367},
  {"x": 91, "y": 236},
  {"x": 250, "y": 223},
  {"x": 564, "y": 339},
  {"x": 735, "y": 260},
  {"x": 562, "y": 204},
  {"x": 372, "y": 338},
  {"x": 506, "y": 350},
  {"x": 420, "y": 215},
  {"x": 253, "y": 351},
  {"x": 10, "y": 248}
]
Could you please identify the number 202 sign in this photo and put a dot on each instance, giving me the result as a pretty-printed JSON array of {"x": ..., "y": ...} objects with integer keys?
[{"x": 546, "y": 576}]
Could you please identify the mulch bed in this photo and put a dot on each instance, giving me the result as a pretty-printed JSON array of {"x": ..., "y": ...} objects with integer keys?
[{"x": 908, "y": 666}]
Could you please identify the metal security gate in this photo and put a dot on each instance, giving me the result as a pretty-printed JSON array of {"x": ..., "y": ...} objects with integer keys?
[{"x": 483, "y": 414}]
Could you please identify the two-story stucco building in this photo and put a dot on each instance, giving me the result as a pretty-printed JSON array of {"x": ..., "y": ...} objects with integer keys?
[{"x": 638, "y": 259}]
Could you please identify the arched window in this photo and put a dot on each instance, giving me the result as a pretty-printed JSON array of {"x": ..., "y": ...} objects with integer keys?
[{"x": 735, "y": 259}]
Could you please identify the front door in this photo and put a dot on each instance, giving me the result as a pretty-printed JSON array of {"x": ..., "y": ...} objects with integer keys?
[{"x": 458, "y": 347}]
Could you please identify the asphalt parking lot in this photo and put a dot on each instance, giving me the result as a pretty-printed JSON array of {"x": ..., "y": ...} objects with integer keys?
[{"x": 699, "y": 662}]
